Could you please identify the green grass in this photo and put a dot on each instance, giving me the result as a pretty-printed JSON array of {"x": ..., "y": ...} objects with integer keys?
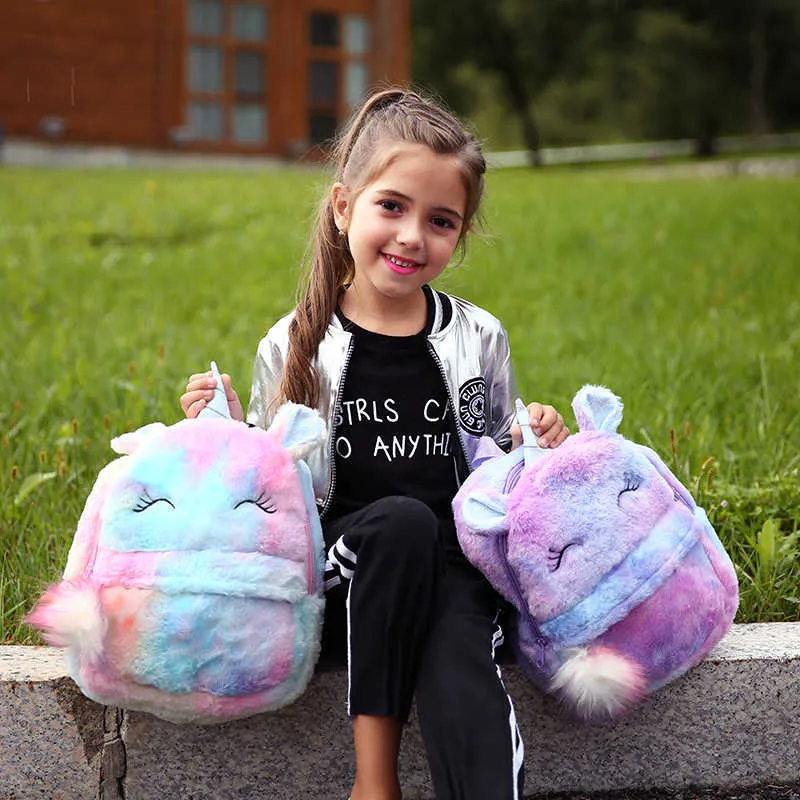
[{"x": 682, "y": 296}]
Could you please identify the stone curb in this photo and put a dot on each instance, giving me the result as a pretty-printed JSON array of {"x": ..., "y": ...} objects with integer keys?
[{"x": 733, "y": 721}]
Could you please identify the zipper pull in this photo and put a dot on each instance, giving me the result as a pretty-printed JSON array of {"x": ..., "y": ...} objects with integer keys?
[{"x": 541, "y": 640}]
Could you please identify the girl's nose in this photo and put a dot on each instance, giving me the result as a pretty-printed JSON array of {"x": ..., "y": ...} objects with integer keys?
[{"x": 410, "y": 234}]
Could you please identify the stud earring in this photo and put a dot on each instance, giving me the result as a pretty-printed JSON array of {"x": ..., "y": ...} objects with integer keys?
[{"x": 341, "y": 232}]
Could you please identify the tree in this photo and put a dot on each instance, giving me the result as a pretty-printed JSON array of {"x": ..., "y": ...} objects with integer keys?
[
  {"x": 679, "y": 91},
  {"x": 640, "y": 68},
  {"x": 474, "y": 31},
  {"x": 524, "y": 44}
]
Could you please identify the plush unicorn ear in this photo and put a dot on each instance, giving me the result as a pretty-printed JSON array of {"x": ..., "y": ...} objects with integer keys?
[
  {"x": 126, "y": 443},
  {"x": 597, "y": 409},
  {"x": 299, "y": 429},
  {"x": 484, "y": 513}
]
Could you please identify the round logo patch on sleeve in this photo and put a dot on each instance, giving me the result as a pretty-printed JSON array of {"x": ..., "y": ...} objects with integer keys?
[{"x": 472, "y": 406}]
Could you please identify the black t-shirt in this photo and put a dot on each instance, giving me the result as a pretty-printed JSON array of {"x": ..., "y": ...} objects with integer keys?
[{"x": 393, "y": 428}]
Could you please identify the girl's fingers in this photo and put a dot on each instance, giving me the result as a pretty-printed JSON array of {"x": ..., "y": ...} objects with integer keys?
[
  {"x": 547, "y": 424},
  {"x": 205, "y": 381},
  {"x": 535, "y": 411},
  {"x": 230, "y": 392},
  {"x": 549, "y": 417},
  {"x": 554, "y": 437},
  {"x": 190, "y": 399},
  {"x": 194, "y": 400},
  {"x": 197, "y": 407},
  {"x": 200, "y": 386},
  {"x": 201, "y": 380},
  {"x": 193, "y": 409},
  {"x": 234, "y": 403},
  {"x": 552, "y": 427}
]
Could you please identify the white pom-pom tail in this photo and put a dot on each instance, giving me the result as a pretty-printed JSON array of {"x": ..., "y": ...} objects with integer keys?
[
  {"x": 69, "y": 614},
  {"x": 599, "y": 682}
]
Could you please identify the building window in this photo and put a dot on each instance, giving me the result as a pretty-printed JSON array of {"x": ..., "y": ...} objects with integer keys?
[
  {"x": 249, "y": 124},
  {"x": 356, "y": 80},
  {"x": 205, "y": 69},
  {"x": 205, "y": 18},
  {"x": 356, "y": 34},
  {"x": 322, "y": 127},
  {"x": 338, "y": 71},
  {"x": 226, "y": 81},
  {"x": 249, "y": 22},
  {"x": 323, "y": 84},
  {"x": 250, "y": 78},
  {"x": 205, "y": 120},
  {"x": 324, "y": 30}
]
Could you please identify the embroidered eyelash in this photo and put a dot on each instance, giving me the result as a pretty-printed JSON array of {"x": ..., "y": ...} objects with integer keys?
[
  {"x": 557, "y": 556},
  {"x": 263, "y": 501},
  {"x": 632, "y": 483},
  {"x": 145, "y": 501}
]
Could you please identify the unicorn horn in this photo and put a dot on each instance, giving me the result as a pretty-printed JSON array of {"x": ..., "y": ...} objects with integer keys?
[
  {"x": 218, "y": 405},
  {"x": 530, "y": 445}
]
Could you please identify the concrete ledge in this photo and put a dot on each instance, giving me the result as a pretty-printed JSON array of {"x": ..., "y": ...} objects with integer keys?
[
  {"x": 733, "y": 721},
  {"x": 51, "y": 736}
]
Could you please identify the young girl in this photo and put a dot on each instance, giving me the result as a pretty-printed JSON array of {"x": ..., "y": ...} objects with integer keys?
[{"x": 409, "y": 379}]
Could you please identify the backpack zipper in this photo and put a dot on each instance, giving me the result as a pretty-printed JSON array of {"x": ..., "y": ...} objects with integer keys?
[{"x": 522, "y": 606}]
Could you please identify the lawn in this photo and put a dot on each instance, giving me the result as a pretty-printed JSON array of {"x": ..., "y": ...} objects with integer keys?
[{"x": 680, "y": 295}]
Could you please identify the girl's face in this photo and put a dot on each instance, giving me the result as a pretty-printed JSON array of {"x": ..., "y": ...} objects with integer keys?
[{"x": 403, "y": 226}]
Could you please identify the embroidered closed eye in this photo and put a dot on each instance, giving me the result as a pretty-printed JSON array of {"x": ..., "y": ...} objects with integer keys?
[
  {"x": 263, "y": 501},
  {"x": 557, "y": 556},
  {"x": 145, "y": 501},
  {"x": 632, "y": 483}
]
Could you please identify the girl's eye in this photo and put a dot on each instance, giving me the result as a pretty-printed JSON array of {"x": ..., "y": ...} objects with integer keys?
[
  {"x": 145, "y": 501},
  {"x": 389, "y": 205},
  {"x": 263, "y": 501},
  {"x": 442, "y": 222},
  {"x": 557, "y": 556}
]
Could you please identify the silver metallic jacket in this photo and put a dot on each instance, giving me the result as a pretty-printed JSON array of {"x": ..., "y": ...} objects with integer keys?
[{"x": 469, "y": 346}]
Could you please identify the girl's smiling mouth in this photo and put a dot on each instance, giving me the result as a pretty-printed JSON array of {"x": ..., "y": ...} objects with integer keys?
[{"x": 402, "y": 266}]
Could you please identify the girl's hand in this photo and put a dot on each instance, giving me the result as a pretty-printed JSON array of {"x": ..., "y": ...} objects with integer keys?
[
  {"x": 200, "y": 389},
  {"x": 546, "y": 423}
]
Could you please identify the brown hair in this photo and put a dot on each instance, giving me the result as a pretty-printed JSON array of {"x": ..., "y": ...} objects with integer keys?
[{"x": 391, "y": 115}]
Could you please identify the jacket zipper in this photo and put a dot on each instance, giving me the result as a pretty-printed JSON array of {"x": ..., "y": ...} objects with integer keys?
[
  {"x": 438, "y": 362},
  {"x": 332, "y": 434}
]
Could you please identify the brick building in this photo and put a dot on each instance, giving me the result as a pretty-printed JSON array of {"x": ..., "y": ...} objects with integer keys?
[{"x": 220, "y": 76}]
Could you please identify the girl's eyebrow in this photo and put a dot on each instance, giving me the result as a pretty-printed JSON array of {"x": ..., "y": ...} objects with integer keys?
[{"x": 400, "y": 196}]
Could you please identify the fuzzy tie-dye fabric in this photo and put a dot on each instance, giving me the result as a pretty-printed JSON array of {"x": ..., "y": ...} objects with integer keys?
[
  {"x": 619, "y": 580},
  {"x": 193, "y": 587}
]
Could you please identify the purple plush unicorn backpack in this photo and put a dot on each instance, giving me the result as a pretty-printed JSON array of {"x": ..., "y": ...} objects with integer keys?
[
  {"x": 619, "y": 581},
  {"x": 193, "y": 587}
]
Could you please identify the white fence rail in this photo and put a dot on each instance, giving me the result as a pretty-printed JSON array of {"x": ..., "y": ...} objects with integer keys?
[{"x": 643, "y": 151}]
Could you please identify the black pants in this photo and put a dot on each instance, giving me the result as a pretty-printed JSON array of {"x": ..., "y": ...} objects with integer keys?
[{"x": 413, "y": 617}]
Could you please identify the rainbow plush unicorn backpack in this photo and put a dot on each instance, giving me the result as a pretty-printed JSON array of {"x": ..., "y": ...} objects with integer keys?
[
  {"x": 618, "y": 579},
  {"x": 193, "y": 587}
]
